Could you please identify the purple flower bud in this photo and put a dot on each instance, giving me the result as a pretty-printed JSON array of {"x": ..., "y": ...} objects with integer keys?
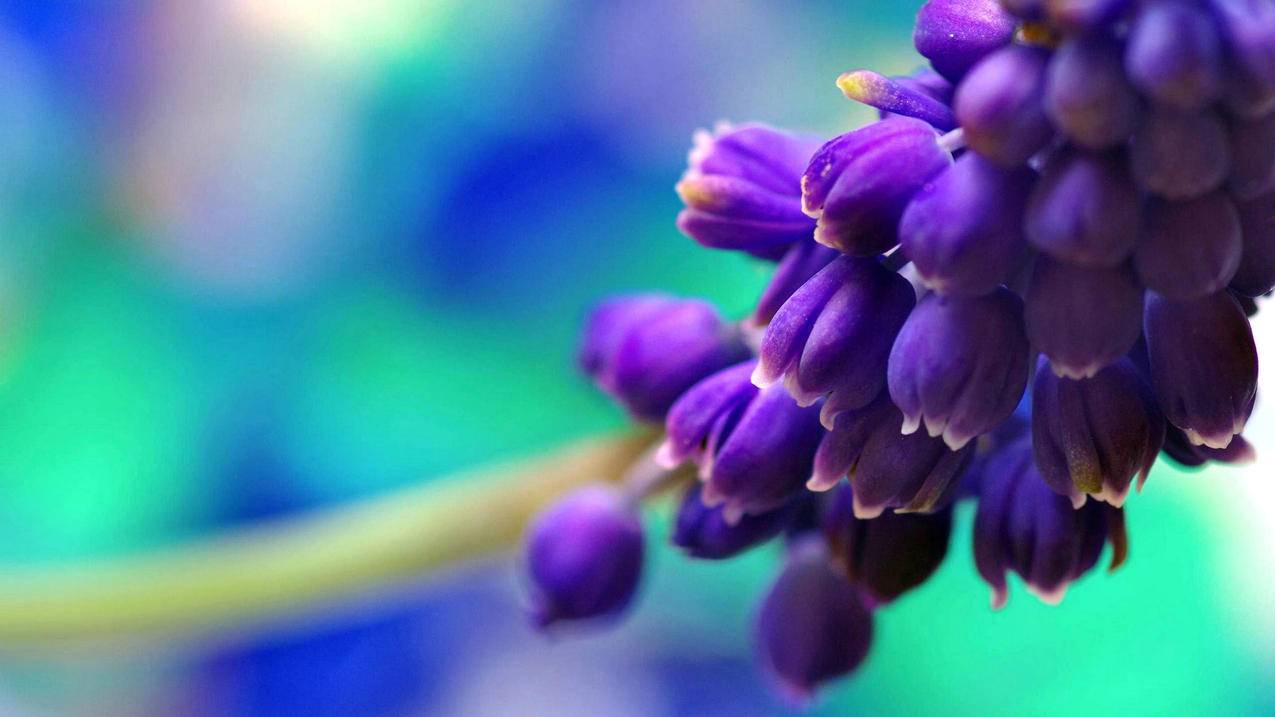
[
  {"x": 1191, "y": 248},
  {"x": 896, "y": 98},
  {"x": 1092, "y": 436},
  {"x": 803, "y": 260},
  {"x": 812, "y": 627},
  {"x": 1248, "y": 31},
  {"x": 742, "y": 190},
  {"x": 703, "y": 532},
  {"x": 1174, "y": 55},
  {"x": 1179, "y": 448},
  {"x": 927, "y": 81},
  {"x": 960, "y": 365},
  {"x": 1256, "y": 274},
  {"x": 1000, "y": 104},
  {"x": 1023, "y": 526},
  {"x": 1033, "y": 10},
  {"x": 1203, "y": 365},
  {"x": 646, "y": 350},
  {"x": 1082, "y": 318},
  {"x": 833, "y": 337},
  {"x": 584, "y": 556},
  {"x": 963, "y": 230},
  {"x": 1252, "y": 157},
  {"x": 1087, "y": 94},
  {"x": 1085, "y": 210},
  {"x": 1179, "y": 155},
  {"x": 1076, "y": 16},
  {"x": 858, "y": 184},
  {"x": 955, "y": 34},
  {"x": 888, "y": 555}
]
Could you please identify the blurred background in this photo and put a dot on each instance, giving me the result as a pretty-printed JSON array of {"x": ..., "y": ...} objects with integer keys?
[{"x": 264, "y": 256}]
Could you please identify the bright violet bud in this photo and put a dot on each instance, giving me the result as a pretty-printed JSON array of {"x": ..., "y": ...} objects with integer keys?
[
  {"x": 1174, "y": 55},
  {"x": 858, "y": 184},
  {"x": 584, "y": 556},
  {"x": 833, "y": 337},
  {"x": 927, "y": 81},
  {"x": 1023, "y": 526},
  {"x": 803, "y": 260},
  {"x": 1000, "y": 104},
  {"x": 1087, "y": 94},
  {"x": 960, "y": 365},
  {"x": 1085, "y": 210},
  {"x": 704, "y": 532},
  {"x": 1252, "y": 157},
  {"x": 1189, "y": 249},
  {"x": 644, "y": 351},
  {"x": 1178, "y": 447},
  {"x": 955, "y": 34},
  {"x": 813, "y": 626},
  {"x": 1092, "y": 436},
  {"x": 1248, "y": 32},
  {"x": 1179, "y": 155},
  {"x": 1256, "y": 274},
  {"x": 896, "y": 98},
  {"x": 742, "y": 190},
  {"x": 1077, "y": 16},
  {"x": 963, "y": 230},
  {"x": 1203, "y": 365},
  {"x": 1082, "y": 318}
]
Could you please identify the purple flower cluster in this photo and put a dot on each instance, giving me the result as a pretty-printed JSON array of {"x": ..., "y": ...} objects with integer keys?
[{"x": 1023, "y": 283}]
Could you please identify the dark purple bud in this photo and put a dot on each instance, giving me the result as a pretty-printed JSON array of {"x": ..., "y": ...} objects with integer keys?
[
  {"x": 1252, "y": 157},
  {"x": 888, "y": 555},
  {"x": 1033, "y": 10},
  {"x": 1179, "y": 449},
  {"x": 963, "y": 230},
  {"x": 644, "y": 351},
  {"x": 1189, "y": 249},
  {"x": 960, "y": 365},
  {"x": 813, "y": 626},
  {"x": 1023, "y": 526},
  {"x": 584, "y": 556},
  {"x": 742, "y": 190},
  {"x": 1082, "y": 318},
  {"x": 1248, "y": 31},
  {"x": 1174, "y": 55},
  {"x": 1256, "y": 274},
  {"x": 1180, "y": 155},
  {"x": 858, "y": 185},
  {"x": 1203, "y": 365},
  {"x": 833, "y": 337},
  {"x": 1092, "y": 436},
  {"x": 1000, "y": 104},
  {"x": 896, "y": 98},
  {"x": 955, "y": 34},
  {"x": 1076, "y": 16},
  {"x": 803, "y": 260},
  {"x": 1085, "y": 210},
  {"x": 1087, "y": 94},
  {"x": 704, "y": 532}
]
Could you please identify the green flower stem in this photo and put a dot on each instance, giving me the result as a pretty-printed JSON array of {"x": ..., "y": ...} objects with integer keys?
[{"x": 284, "y": 567}]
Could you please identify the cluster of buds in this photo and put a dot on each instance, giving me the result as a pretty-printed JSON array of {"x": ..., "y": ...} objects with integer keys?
[{"x": 1022, "y": 284}]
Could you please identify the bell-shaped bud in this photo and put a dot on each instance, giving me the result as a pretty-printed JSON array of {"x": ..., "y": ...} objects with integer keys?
[
  {"x": 959, "y": 366},
  {"x": 1252, "y": 157},
  {"x": 1174, "y": 55},
  {"x": 1001, "y": 106},
  {"x": 896, "y": 98},
  {"x": 1082, "y": 318},
  {"x": 955, "y": 34},
  {"x": 802, "y": 261},
  {"x": 833, "y": 337},
  {"x": 1181, "y": 155},
  {"x": 1248, "y": 32},
  {"x": 1085, "y": 210},
  {"x": 1023, "y": 526},
  {"x": 858, "y": 185},
  {"x": 1203, "y": 365},
  {"x": 584, "y": 556},
  {"x": 1084, "y": 16},
  {"x": 1087, "y": 94},
  {"x": 742, "y": 190},
  {"x": 1179, "y": 448},
  {"x": 813, "y": 626},
  {"x": 704, "y": 532},
  {"x": 1189, "y": 249},
  {"x": 963, "y": 230},
  {"x": 1256, "y": 273},
  {"x": 644, "y": 351}
]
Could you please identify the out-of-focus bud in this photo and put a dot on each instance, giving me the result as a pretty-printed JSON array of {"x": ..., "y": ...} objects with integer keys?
[
  {"x": 1087, "y": 94},
  {"x": 1181, "y": 155},
  {"x": 1178, "y": 448},
  {"x": 1248, "y": 32},
  {"x": 1001, "y": 106},
  {"x": 704, "y": 532},
  {"x": 1174, "y": 55},
  {"x": 1252, "y": 157},
  {"x": 1189, "y": 249},
  {"x": 955, "y": 34},
  {"x": 1082, "y": 318},
  {"x": 1085, "y": 210},
  {"x": 1256, "y": 273},
  {"x": 1081, "y": 16}
]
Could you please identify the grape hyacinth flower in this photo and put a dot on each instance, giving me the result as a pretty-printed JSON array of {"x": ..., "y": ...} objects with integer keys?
[{"x": 704, "y": 532}]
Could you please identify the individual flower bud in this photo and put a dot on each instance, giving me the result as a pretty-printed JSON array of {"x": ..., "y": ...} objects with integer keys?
[
  {"x": 704, "y": 532},
  {"x": 960, "y": 365},
  {"x": 1190, "y": 248},
  {"x": 1178, "y": 448},
  {"x": 963, "y": 230},
  {"x": 1256, "y": 274},
  {"x": 1179, "y": 155},
  {"x": 1082, "y": 318},
  {"x": 645, "y": 350},
  {"x": 833, "y": 337},
  {"x": 1078, "y": 16},
  {"x": 1085, "y": 210},
  {"x": 802, "y": 261},
  {"x": 1023, "y": 526},
  {"x": 1174, "y": 55},
  {"x": 1087, "y": 94},
  {"x": 858, "y": 184},
  {"x": 1000, "y": 104},
  {"x": 1252, "y": 157},
  {"x": 895, "y": 98},
  {"x": 888, "y": 555},
  {"x": 927, "y": 81},
  {"x": 1248, "y": 31},
  {"x": 1203, "y": 365},
  {"x": 742, "y": 190},
  {"x": 813, "y": 626},
  {"x": 955, "y": 34},
  {"x": 584, "y": 556},
  {"x": 754, "y": 447},
  {"x": 1092, "y": 436}
]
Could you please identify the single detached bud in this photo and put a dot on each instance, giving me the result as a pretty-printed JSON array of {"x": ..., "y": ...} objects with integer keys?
[
  {"x": 1085, "y": 210},
  {"x": 1082, "y": 318},
  {"x": 1203, "y": 365},
  {"x": 1080, "y": 16},
  {"x": 955, "y": 34},
  {"x": 584, "y": 556},
  {"x": 959, "y": 366},
  {"x": 963, "y": 230},
  {"x": 1248, "y": 32},
  {"x": 1174, "y": 55},
  {"x": 644, "y": 351},
  {"x": 813, "y": 626},
  {"x": 802, "y": 261},
  {"x": 1189, "y": 249},
  {"x": 833, "y": 337},
  {"x": 742, "y": 190},
  {"x": 1000, "y": 104},
  {"x": 704, "y": 532},
  {"x": 1179, "y": 448},
  {"x": 1256, "y": 274},
  {"x": 896, "y": 98},
  {"x": 1180, "y": 155},
  {"x": 858, "y": 185},
  {"x": 1023, "y": 526},
  {"x": 1087, "y": 94},
  {"x": 1252, "y": 157}
]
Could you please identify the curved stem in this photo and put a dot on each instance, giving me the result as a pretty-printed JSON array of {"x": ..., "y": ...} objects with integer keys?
[{"x": 286, "y": 566}]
